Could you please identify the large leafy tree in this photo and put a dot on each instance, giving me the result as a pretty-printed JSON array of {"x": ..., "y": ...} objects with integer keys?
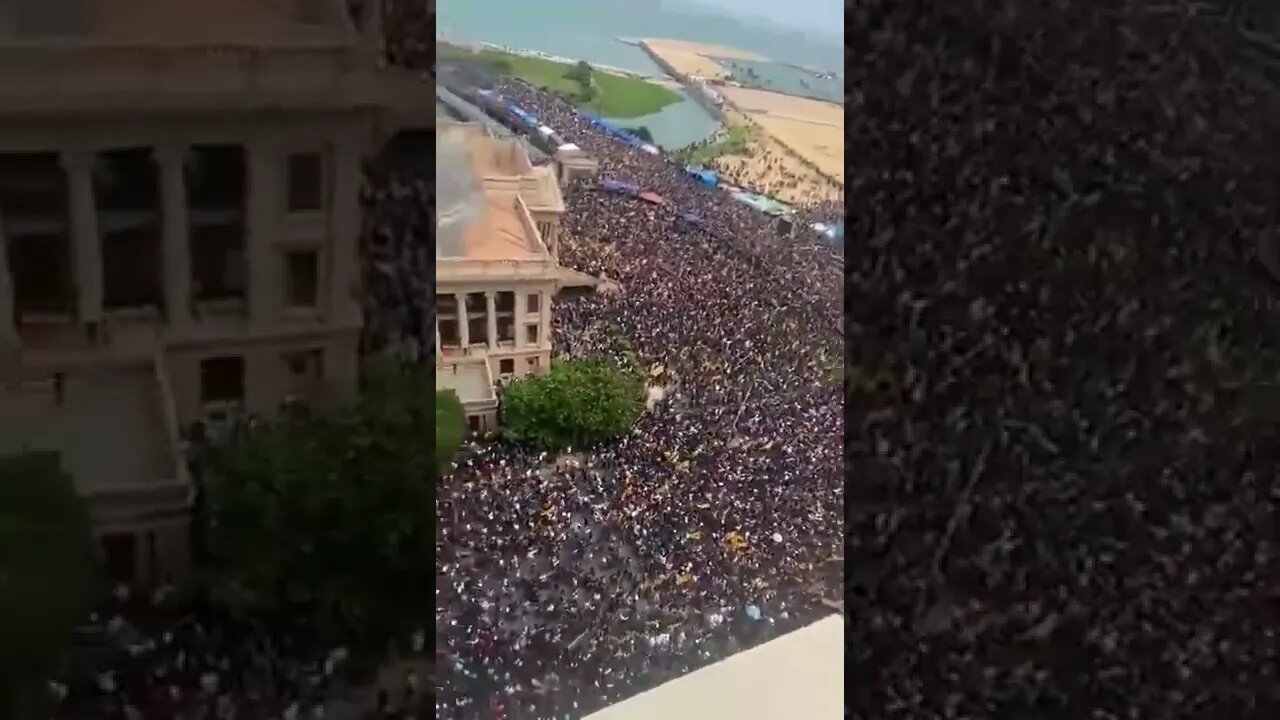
[
  {"x": 321, "y": 526},
  {"x": 576, "y": 403},
  {"x": 451, "y": 427},
  {"x": 47, "y": 574}
]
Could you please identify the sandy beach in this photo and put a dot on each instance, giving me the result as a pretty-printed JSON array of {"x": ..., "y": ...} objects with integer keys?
[
  {"x": 796, "y": 152},
  {"x": 694, "y": 59},
  {"x": 773, "y": 168},
  {"x": 811, "y": 128}
]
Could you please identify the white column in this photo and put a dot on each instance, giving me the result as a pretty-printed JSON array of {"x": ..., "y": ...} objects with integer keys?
[
  {"x": 439, "y": 354},
  {"x": 85, "y": 239},
  {"x": 544, "y": 319},
  {"x": 491, "y": 314},
  {"x": 263, "y": 204},
  {"x": 8, "y": 330},
  {"x": 521, "y": 317},
  {"x": 464, "y": 330},
  {"x": 343, "y": 256},
  {"x": 177, "y": 235}
]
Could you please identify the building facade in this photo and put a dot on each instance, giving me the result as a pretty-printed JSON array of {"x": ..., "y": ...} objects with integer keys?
[
  {"x": 179, "y": 215},
  {"x": 496, "y": 274}
]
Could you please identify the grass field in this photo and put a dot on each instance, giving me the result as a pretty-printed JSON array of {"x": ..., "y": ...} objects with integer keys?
[
  {"x": 734, "y": 141},
  {"x": 617, "y": 96}
]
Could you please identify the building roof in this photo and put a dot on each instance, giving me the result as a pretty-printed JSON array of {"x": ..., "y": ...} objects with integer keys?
[
  {"x": 481, "y": 220},
  {"x": 799, "y": 675},
  {"x": 541, "y": 190},
  {"x": 503, "y": 161},
  {"x": 470, "y": 380},
  {"x": 179, "y": 22},
  {"x": 496, "y": 233},
  {"x": 492, "y": 156}
]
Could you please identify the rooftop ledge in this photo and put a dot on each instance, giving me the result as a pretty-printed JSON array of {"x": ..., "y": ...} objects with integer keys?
[{"x": 43, "y": 79}]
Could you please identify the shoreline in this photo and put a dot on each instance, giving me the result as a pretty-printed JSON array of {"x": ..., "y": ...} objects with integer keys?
[
  {"x": 610, "y": 69},
  {"x": 717, "y": 102}
]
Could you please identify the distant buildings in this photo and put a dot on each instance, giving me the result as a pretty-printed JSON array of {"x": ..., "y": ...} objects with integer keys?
[{"x": 179, "y": 214}]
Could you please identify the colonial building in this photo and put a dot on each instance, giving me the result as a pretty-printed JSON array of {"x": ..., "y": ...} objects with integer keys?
[
  {"x": 496, "y": 269},
  {"x": 179, "y": 213}
]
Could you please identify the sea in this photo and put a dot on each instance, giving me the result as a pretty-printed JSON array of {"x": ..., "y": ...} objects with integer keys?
[{"x": 589, "y": 30}]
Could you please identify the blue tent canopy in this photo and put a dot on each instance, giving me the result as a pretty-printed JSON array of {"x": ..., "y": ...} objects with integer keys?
[
  {"x": 522, "y": 114},
  {"x": 619, "y": 187},
  {"x": 707, "y": 177}
]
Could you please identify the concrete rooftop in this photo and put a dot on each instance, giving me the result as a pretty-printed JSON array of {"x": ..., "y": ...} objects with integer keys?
[
  {"x": 109, "y": 429},
  {"x": 470, "y": 381},
  {"x": 799, "y": 676}
]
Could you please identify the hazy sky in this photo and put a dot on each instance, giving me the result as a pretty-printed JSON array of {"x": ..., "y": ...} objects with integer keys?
[{"x": 823, "y": 16}]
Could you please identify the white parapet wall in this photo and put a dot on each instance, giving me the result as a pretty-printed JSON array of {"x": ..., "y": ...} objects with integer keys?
[{"x": 799, "y": 676}]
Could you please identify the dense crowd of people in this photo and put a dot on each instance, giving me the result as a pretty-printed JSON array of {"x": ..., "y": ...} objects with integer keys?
[
  {"x": 157, "y": 656},
  {"x": 1062, "y": 494},
  {"x": 750, "y": 230},
  {"x": 716, "y": 522}
]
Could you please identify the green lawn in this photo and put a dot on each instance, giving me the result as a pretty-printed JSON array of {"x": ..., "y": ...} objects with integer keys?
[
  {"x": 732, "y": 142},
  {"x": 618, "y": 96}
]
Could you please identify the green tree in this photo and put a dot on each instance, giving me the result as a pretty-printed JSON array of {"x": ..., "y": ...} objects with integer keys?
[
  {"x": 322, "y": 527},
  {"x": 580, "y": 72},
  {"x": 644, "y": 134},
  {"x": 576, "y": 403},
  {"x": 451, "y": 427},
  {"x": 48, "y": 573}
]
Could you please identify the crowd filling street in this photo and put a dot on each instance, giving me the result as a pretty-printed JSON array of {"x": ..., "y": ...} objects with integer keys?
[{"x": 713, "y": 525}]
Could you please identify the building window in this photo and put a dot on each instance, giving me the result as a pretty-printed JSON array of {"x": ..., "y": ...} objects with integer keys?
[
  {"x": 532, "y": 331},
  {"x": 473, "y": 421},
  {"x": 222, "y": 379},
  {"x": 120, "y": 555},
  {"x": 306, "y": 370},
  {"x": 505, "y": 302},
  {"x": 306, "y": 182},
  {"x": 448, "y": 328},
  {"x": 534, "y": 302},
  {"x": 477, "y": 319},
  {"x": 506, "y": 328},
  {"x": 507, "y": 366},
  {"x": 305, "y": 364},
  {"x": 302, "y": 278}
]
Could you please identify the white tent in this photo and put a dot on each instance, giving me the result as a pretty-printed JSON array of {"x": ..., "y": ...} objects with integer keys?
[
  {"x": 545, "y": 130},
  {"x": 799, "y": 676}
]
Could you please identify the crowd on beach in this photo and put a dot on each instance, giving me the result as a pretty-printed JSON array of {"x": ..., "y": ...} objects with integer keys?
[
  {"x": 716, "y": 522},
  {"x": 1063, "y": 481}
]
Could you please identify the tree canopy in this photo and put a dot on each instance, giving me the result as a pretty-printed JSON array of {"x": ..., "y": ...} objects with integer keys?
[
  {"x": 580, "y": 72},
  {"x": 322, "y": 526},
  {"x": 47, "y": 572},
  {"x": 576, "y": 403},
  {"x": 451, "y": 427}
]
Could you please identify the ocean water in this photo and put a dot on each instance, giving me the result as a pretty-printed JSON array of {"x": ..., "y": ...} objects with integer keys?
[
  {"x": 588, "y": 30},
  {"x": 784, "y": 79}
]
